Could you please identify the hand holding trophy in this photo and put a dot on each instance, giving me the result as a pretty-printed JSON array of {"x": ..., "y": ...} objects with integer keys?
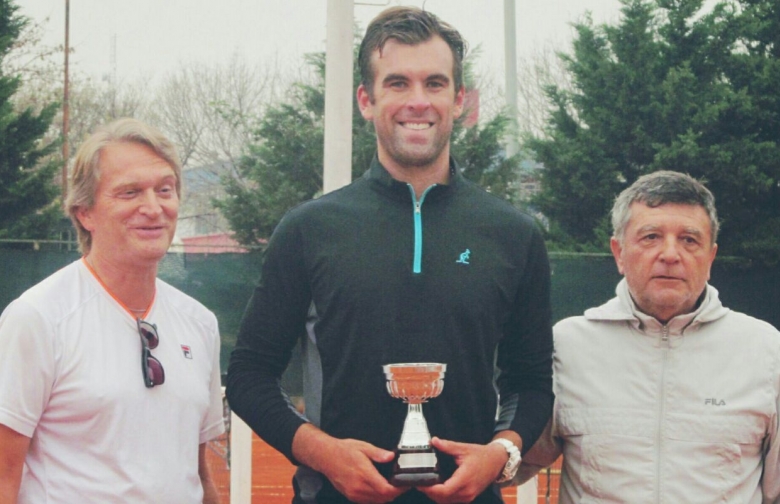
[{"x": 415, "y": 383}]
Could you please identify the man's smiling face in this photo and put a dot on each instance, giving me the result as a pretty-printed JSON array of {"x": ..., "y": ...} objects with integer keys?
[
  {"x": 133, "y": 218},
  {"x": 666, "y": 254},
  {"x": 413, "y": 104}
]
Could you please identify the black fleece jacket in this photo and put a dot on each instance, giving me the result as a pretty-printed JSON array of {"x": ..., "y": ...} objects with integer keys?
[{"x": 368, "y": 275}]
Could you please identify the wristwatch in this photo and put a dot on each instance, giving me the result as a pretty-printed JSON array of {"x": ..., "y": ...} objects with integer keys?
[{"x": 510, "y": 468}]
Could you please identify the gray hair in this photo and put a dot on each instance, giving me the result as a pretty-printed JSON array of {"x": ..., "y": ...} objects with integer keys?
[
  {"x": 86, "y": 165},
  {"x": 660, "y": 188}
]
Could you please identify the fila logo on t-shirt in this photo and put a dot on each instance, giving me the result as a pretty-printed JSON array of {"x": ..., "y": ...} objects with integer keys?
[{"x": 187, "y": 351}]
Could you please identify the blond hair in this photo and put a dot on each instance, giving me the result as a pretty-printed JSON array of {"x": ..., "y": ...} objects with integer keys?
[{"x": 86, "y": 165}]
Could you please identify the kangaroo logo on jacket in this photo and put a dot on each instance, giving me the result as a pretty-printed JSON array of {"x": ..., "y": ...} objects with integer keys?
[{"x": 464, "y": 257}]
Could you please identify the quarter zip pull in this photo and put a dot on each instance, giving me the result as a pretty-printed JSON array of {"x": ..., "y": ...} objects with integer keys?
[{"x": 418, "y": 237}]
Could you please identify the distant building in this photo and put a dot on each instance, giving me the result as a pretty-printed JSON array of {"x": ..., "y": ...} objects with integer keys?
[
  {"x": 471, "y": 108},
  {"x": 197, "y": 215},
  {"x": 218, "y": 243},
  {"x": 528, "y": 184}
]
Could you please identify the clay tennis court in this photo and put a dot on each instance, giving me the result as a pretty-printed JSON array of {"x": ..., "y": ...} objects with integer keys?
[{"x": 272, "y": 476}]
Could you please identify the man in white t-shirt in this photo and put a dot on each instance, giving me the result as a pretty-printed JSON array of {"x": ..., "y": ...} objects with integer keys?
[{"x": 80, "y": 419}]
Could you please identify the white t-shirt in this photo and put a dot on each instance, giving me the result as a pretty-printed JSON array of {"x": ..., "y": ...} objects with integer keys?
[{"x": 71, "y": 380}]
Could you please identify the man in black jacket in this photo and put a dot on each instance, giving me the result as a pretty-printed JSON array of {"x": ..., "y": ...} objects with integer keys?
[{"x": 410, "y": 263}]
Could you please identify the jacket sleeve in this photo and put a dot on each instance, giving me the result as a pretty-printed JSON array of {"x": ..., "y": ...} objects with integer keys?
[
  {"x": 524, "y": 357},
  {"x": 770, "y": 481},
  {"x": 272, "y": 324}
]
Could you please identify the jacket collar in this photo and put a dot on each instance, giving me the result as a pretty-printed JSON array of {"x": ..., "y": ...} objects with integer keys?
[
  {"x": 623, "y": 308},
  {"x": 378, "y": 175}
]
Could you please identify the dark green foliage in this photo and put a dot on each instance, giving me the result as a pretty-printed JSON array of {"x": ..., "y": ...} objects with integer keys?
[
  {"x": 28, "y": 206},
  {"x": 480, "y": 154},
  {"x": 283, "y": 167},
  {"x": 669, "y": 87}
]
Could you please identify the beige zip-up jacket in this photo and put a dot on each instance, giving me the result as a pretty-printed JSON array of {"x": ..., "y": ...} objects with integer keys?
[{"x": 680, "y": 413}]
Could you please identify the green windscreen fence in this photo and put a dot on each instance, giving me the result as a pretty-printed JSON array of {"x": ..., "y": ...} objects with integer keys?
[
  {"x": 224, "y": 283},
  {"x": 581, "y": 281}
]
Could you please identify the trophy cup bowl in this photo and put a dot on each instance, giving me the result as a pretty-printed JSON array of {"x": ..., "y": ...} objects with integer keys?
[{"x": 415, "y": 383}]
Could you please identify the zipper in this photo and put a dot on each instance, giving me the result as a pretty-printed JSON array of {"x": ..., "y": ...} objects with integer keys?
[
  {"x": 661, "y": 401},
  {"x": 418, "y": 238}
]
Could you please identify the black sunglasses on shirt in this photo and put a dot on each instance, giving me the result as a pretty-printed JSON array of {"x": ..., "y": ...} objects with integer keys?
[{"x": 152, "y": 370}]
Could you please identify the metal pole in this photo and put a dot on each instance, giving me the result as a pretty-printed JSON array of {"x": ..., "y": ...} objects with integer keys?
[
  {"x": 240, "y": 461},
  {"x": 526, "y": 493},
  {"x": 65, "y": 107},
  {"x": 337, "y": 166},
  {"x": 510, "y": 68}
]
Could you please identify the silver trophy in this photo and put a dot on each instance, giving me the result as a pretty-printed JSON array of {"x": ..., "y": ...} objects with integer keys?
[{"x": 415, "y": 383}]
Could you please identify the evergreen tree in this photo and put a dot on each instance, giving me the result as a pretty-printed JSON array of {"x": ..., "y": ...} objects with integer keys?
[
  {"x": 752, "y": 134},
  {"x": 283, "y": 167},
  {"x": 669, "y": 87},
  {"x": 28, "y": 197}
]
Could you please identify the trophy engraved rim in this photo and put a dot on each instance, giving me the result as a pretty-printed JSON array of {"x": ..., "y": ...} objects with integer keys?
[{"x": 415, "y": 382}]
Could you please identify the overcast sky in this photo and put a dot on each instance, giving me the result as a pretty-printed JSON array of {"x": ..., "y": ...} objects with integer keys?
[{"x": 153, "y": 36}]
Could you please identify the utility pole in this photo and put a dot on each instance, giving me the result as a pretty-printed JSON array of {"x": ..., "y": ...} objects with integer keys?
[
  {"x": 112, "y": 78},
  {"x": 510, "y": 75},
  {"x": 337, "y": 166},
  {"x": 65, "y": 107}
]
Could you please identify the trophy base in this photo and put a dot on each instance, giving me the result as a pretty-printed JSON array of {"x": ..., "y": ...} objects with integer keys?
[
  {"x": 415, "y": 479},
  {"x": 415, "y": 468}
]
